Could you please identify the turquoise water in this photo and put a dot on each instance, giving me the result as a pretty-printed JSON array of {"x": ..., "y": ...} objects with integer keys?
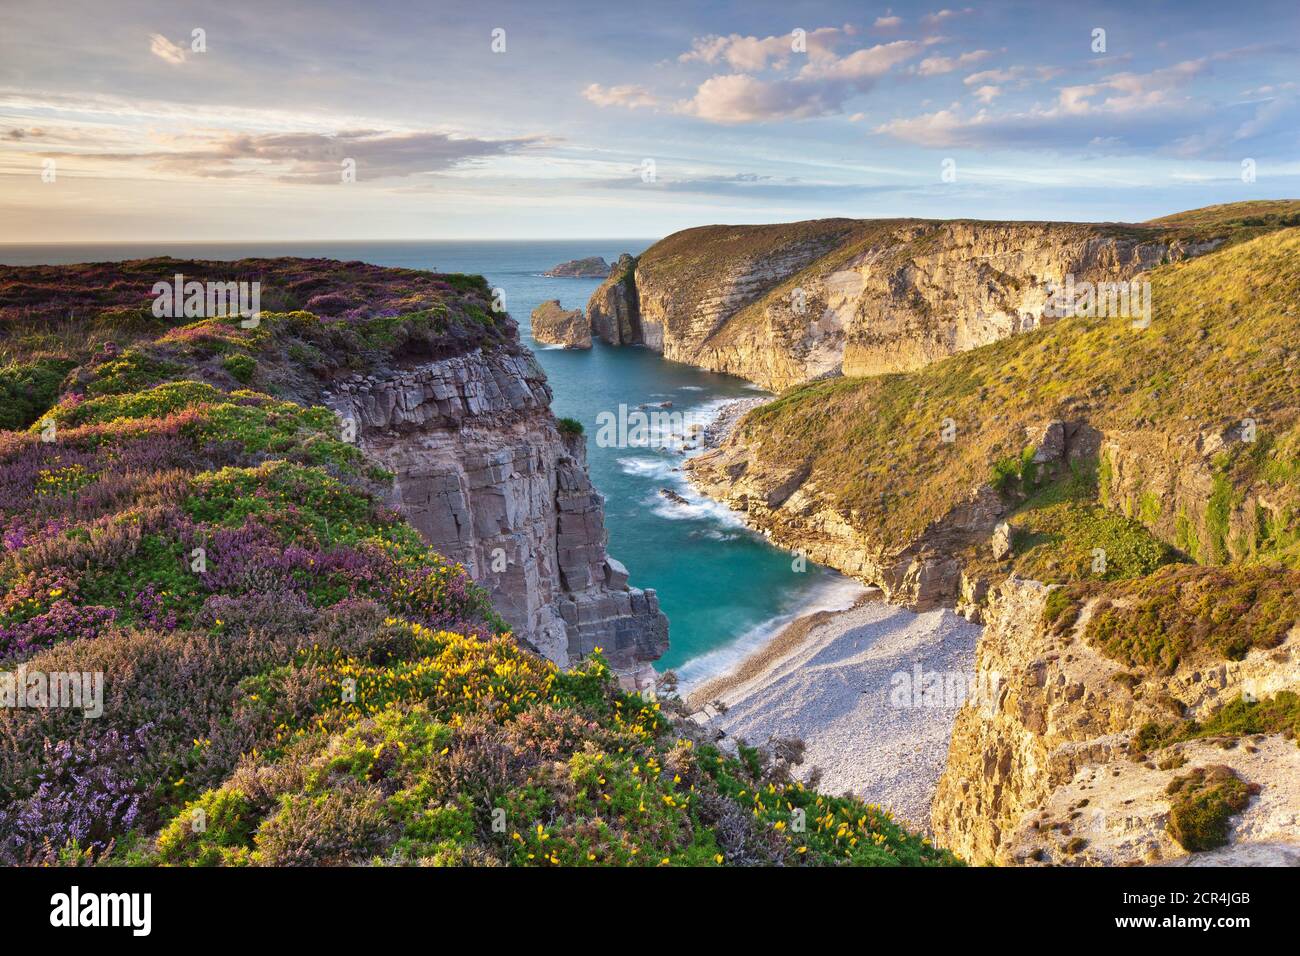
[{"x": 723, "y": 587}]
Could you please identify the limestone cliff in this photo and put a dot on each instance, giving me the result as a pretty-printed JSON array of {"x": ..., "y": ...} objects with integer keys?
[
  {"x": 613, "y": 311},
  {"x": 553, "y": 325},
  {"x": 484, "y": 474},
  {"x": 783, "y": 304},
  {"x": 1048, "y": 769}
]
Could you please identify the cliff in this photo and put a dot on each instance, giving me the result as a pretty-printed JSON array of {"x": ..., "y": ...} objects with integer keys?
[
  {"x": 789, "y": 303},
  {"x": 1120, "y": 505},
  {"x": 482, "y": 472},
  {"x": 613, "y": 311},
  {"x": 1084, "y": 434},
  {"x": 1072, "y": 762},
  {"x": 443, "y": 396}
]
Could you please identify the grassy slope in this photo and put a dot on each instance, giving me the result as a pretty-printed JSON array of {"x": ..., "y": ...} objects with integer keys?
[
  {"x": 323, "y": 688},
  {"x": 1222, "y": 341}
]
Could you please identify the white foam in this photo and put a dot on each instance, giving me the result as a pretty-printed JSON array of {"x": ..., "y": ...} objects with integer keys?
[{"x": 834, "y": 593}]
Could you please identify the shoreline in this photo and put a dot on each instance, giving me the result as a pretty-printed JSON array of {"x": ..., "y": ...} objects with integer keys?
[
  {"x": 832, "y": 679},
  {"x": 854, "y": 687},
  {"x": 783, "y": 642}
]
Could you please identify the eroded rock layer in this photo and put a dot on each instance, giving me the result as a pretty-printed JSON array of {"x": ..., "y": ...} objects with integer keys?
[{"x": 485, "y": 475}]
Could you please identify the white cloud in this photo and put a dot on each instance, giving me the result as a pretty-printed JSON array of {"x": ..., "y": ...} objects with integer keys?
[
  {"x": 934, "y": 19},
  {"x": 936, "y": 65},
  {"x": 629, "y": 96},
  {"x": 165, "y": 49},
  {"x": 752, "y": 54}
]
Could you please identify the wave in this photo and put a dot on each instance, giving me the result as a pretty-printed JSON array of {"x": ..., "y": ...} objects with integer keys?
[{"x": 835, "y": 593}]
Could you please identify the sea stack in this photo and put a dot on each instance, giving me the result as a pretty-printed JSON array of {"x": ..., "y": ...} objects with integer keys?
[{"x": 553, "y": 325}]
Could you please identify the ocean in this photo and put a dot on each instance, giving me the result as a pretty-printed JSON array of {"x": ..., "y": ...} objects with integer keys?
[{"x": 724, "y": 588}]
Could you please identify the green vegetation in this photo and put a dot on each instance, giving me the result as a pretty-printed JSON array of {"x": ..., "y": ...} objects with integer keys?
[
  {"x": 240, "y": 366},
  {"x": 1221, "y": 341},
  {"x": 27, "y": 389},
  {"x": 1250, "y": 215},
  {"x": 1062, "y": 535},
  {"x": 1184, "y": 613},
  {"x": 1204, "y": 801},
  {"x": 1279, "y": 714},
  {"x": 570, "y": 426}
]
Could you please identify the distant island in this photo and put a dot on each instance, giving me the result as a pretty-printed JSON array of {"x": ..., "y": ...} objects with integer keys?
[{"x": 592, "y": 267}]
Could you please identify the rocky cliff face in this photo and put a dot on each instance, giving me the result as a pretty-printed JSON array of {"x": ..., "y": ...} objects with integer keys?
[
  {"x": 1046, "y": 770},
  {"x": 788, "y": 505},
  {"x": 784, "y": 304},
  {"x": 486, "y": 477},
  {"x": 613, "y": 310},
  {"x": 553, "y": 325}
]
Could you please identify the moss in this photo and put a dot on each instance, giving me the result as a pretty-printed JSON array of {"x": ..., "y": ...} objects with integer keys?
[
  {"x": 1149, "y": 508},
  {"x": 1279, "y": 714},
  {"x": 1204, "y": 802},
  {"x": 1185, "y": 536}
]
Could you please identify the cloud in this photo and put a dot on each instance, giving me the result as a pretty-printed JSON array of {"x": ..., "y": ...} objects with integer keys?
[
  {"x": 888, "y": 23},
  {"x": 1127, "y": 108},
  {"x": 165, "y": 49},
  {"x": 752, "y": 54},
  {"x": 304, "y": 157},
  {"x": 936, "y": 65},
  {"x": 938, "y": 17},
  {"x": 820, "y": 88},
  {"x": 629, "y": 96}
]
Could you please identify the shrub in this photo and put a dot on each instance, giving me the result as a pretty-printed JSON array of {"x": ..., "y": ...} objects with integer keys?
[
  {"x": 240, "y": 366},
  {"x": 1182, "y": 611},
  {"x": 1204, "y": 801}
]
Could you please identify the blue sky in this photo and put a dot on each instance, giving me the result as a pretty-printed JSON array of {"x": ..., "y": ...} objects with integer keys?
[{"x": 629, "y": 120}]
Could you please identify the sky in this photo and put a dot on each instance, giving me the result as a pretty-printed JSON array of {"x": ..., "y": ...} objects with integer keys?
[{"x": 394, "y": 119}]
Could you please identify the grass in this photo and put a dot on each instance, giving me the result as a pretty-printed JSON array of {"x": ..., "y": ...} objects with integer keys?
[
  {"x": 1221, "y": 341},
  {"x": 1062, "y": 534},
  {"x": 1279, "y": 714}
]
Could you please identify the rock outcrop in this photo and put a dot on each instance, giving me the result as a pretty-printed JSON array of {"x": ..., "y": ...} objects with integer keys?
[
  {"x": 784, "y": 304},
  {"x": 613, "y": 311},
  {"x": 592, "y": 267},
  {"x": 553, "y": 325},
  {"x": 788, "y": 506},
  {"x": 487, "y": 478},
  {"x": 1043, "y": 772}
]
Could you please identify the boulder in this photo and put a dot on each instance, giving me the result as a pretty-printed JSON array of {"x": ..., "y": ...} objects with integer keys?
[{"x": 1001, "y": 541}]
